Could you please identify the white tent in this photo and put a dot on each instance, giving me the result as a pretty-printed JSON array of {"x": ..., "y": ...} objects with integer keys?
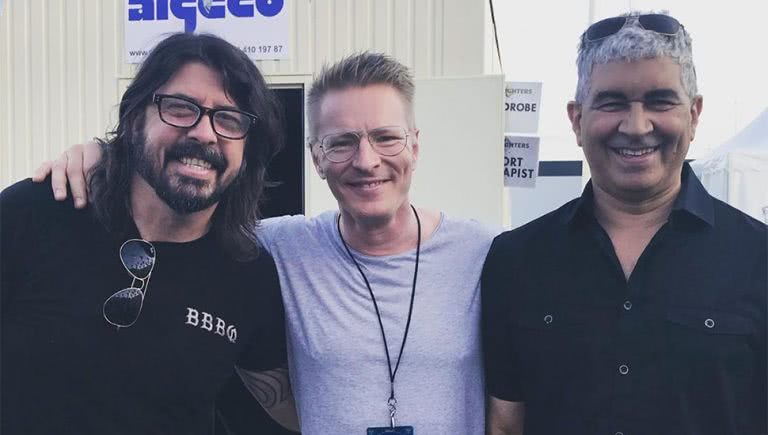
[{"x": 737, "y": 171}]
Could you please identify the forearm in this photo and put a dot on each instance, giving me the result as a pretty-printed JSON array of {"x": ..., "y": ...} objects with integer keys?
[
  {"x": 272, "y": 389},
  {"x": 505, "y": 418},
  {"x": 497, "y": 429}
]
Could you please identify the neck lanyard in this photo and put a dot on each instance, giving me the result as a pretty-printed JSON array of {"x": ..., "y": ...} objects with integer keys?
[{"x": 392, "y": 402}]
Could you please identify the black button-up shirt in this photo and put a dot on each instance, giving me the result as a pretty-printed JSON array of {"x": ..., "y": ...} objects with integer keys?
[{"x": 678, "y": 348}]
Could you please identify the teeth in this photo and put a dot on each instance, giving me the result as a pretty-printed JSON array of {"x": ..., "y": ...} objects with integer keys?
[
  {"x": 195, "y": 162},
  {"x": 635, "y": 152},
  {"x": 368, "y": 185}
]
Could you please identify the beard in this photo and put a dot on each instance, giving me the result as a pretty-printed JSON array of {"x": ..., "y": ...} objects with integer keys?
[{"x": 182, "y": 194}]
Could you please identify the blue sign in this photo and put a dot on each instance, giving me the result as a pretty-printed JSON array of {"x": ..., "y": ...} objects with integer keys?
[{"x": 188, "y": 10}]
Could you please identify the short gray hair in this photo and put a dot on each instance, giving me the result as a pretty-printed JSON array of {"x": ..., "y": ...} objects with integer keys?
[
  {"x": 358, "y": 70},
  {"x": 632, "y": 43}
]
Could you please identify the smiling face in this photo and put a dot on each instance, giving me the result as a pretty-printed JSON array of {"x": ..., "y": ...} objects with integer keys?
[
  {"x": 635, "y": 126},
  {"x": 189, "y": 168},
  {"x": 369, "y": 186}
]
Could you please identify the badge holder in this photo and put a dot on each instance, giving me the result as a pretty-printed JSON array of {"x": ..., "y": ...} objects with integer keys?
[{"x": 392, "y": 429}]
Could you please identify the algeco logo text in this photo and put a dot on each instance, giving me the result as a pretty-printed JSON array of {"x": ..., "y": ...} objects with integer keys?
[{"x": 187, "y": 10}]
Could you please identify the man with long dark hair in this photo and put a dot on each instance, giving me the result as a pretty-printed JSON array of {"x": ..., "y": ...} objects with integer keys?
[{"x": 129, "y": 316}]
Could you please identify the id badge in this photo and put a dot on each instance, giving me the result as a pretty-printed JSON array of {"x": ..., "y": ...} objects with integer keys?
[{"x": 397, "y": 430}]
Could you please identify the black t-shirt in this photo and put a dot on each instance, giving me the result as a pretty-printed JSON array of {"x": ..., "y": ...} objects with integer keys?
[{"x": 66, "y": 370}]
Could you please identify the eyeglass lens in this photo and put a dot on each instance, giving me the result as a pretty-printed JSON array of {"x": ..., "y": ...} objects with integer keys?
[
  {"x": 123, "y": 307},
  {"x": 138, "y": 257},
  {"x": 659, "y": 23},
  {"x": 604, "y": 28}
]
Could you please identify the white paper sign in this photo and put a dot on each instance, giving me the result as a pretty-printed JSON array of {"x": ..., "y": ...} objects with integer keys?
[
  {"x": 521, "y": 161},
  {"x": 522, "y": 101},
  {"x": 258, "y": 27}
]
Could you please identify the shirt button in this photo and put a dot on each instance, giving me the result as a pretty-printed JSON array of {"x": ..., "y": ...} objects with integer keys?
[
  {"x": 548, "y": 319},
  {"x": 623, "y": 369},
  {"x": 627, "y": 305},
  {"x": 709, "y": 323}
]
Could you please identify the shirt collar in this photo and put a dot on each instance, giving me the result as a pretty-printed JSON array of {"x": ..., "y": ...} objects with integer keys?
[{"x": 693, "y": 200}]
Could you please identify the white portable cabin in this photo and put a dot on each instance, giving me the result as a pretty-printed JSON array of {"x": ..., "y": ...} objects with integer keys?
[{"x": 63, "y": 70}]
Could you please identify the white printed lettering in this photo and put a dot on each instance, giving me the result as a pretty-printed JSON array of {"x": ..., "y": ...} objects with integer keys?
[
  {"x": 207, "y": 322},
  {"x": 232, "y": 333},
  {"x": 192, "y": 316},
  {"x": 220, "y": 326}
]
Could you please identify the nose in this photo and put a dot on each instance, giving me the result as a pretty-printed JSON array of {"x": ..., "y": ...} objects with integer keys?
[
  {"x": 203, "y": 131},
  {"x": 366, "y": 158},
  {"x": 636, "y": 121}
]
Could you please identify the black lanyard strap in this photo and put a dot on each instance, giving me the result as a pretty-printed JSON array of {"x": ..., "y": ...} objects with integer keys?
[{"x": 392, "y": 373}]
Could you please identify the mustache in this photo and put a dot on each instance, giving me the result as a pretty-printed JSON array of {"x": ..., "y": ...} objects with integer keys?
[
  {"x": 620, "y": 140},
  {"x": 196, "y": 150}
]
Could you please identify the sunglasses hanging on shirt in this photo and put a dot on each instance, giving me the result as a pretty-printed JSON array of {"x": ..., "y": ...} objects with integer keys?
[{"x": 122, "y": 309}]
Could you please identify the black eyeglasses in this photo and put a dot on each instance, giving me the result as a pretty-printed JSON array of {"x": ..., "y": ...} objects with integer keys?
[
  {"x": 387, "y": 141},
  {"x": 122, "y": 309},
  {"x": 659, "y": 23},
  {"x": 183, "y": 112}
]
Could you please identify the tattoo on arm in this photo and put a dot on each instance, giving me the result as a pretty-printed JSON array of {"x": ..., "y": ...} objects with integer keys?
[{"x": 270, "y": 388}]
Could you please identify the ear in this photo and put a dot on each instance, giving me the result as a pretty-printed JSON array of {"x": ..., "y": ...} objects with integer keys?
[
  {"x": 574, "y": 114},
  {"x": 314, "y": 150},
  {"x": 696, "y": 106},
  {"x": 415, "y": 148}
]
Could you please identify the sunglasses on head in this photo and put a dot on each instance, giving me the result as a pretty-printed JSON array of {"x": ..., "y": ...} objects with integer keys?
[
  {"x": 122, "y": 309},
  {"x": 659, "y": 23}
]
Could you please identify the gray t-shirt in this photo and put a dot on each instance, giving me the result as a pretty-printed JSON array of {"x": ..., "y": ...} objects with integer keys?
[{"x": 337, "y": 362}]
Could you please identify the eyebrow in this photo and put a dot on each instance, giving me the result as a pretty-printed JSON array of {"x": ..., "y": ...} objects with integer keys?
[
  {"x": 663, "y": 93},
  {"x": 609, "y": 95},
  {"x": 653, "y": 94}
]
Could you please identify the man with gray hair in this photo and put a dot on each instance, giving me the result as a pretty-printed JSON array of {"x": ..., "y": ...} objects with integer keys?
[
  {"x": 381, "y": 297},
  {"x": 640, "y": 307}
]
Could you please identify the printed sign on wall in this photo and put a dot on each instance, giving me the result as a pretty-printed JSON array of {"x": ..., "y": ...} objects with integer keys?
[
  {"x": 258, "y": 27},
  {"x": 522, "y": 101},
  {"x": 521, "y": 161}
]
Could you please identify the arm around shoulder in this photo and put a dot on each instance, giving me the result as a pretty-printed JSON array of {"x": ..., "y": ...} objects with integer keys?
[{"x": 71, "y": 169}]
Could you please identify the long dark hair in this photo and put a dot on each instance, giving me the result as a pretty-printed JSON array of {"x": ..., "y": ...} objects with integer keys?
[{"x": 237, "y": 215}]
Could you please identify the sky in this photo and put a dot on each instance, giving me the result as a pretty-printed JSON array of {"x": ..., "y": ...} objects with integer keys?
[{"x": 538, "y": 41}]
